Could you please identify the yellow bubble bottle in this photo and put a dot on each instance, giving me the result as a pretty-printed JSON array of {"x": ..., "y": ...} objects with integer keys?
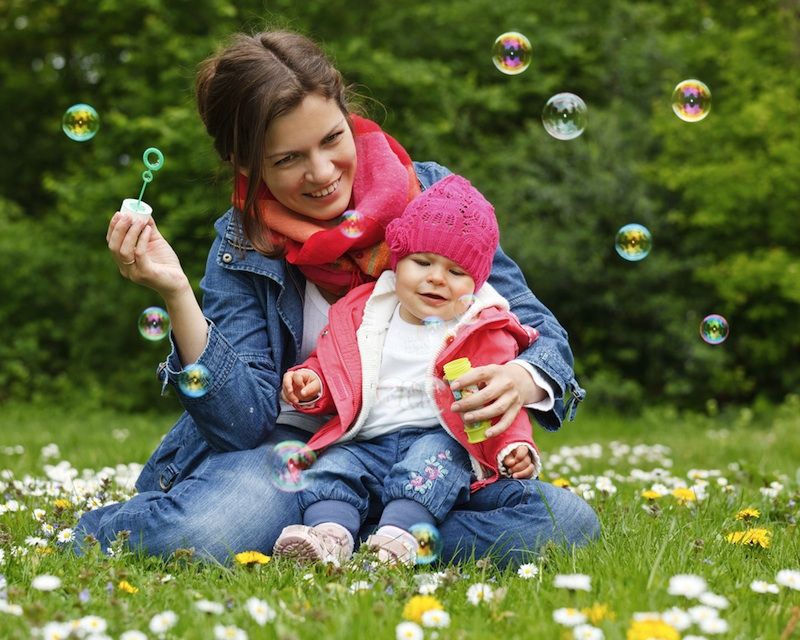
[{"x": 476, "y": 431}]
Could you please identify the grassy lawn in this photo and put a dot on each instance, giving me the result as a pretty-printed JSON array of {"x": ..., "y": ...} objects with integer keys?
[{"x": 698, "y": 472}]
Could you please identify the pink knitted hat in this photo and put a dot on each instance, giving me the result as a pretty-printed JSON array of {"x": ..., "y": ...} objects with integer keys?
[{"x": 450, "y": 218}]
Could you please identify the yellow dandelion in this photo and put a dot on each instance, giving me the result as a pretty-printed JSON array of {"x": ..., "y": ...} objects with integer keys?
[
  {"x": 127, "y": 587},
  {"x": 652, "y": 630},
  {"x": 748, "y": 514},
  {"x": 44, "y": 551},
  {"x": 62, "y": 503},
  {"x": 418, "y": 605},
  {"x": 562, "y": 483},
  {"x": 649, "y": 494},
  {"x": 752, "y": 537},
  {"x": 684, "y": 495},
  {"x": 598, "y": 612},
  {"x": 251, "y": 557}
]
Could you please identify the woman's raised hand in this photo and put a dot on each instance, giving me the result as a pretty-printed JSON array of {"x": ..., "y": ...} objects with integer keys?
[
  {"x": 504, "y": 390},
  {"x": 143, "y": 255}
]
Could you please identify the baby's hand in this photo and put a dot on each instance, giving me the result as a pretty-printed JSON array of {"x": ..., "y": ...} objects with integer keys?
[
  {"x": 300, "y": 385},
  {"x": 519, "y": 463}
]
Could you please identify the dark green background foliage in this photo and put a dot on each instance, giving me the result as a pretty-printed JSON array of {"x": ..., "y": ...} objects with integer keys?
[{"x": 720, "y": 196}]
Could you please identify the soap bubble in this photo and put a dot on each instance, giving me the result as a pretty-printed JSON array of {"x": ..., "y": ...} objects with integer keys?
[
  {"x": 633, "y": 242},
  {"x": 691, "y": 100},
  {"x": 564, "y": 116},
  {"x": 80, "y": 122},
  {"x": 714, "y": 329},
  {"x": 352, "y": 224},
  {"x": 429, "y": 540},
  {"x": 432, "y": 322},
  {"x": 154, "y": 324},
  {"x": 194, "y": 381},
  {"x": 287, "y": 463},
  {"x": 511, "y": 53}
]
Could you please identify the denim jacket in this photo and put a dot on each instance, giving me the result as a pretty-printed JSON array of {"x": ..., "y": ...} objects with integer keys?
[{"x": 254, "y": 308}]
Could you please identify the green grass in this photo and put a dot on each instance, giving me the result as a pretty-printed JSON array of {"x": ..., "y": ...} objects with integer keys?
[{"x": 630, "y": 566}]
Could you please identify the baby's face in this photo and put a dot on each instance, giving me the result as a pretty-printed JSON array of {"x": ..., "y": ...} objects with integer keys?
[{"x": 432, "y": 286}]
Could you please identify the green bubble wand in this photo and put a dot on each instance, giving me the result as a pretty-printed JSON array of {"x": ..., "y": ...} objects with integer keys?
[{"x": 142, "y": 208}]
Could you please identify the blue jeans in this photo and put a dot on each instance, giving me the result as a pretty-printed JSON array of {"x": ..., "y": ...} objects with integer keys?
[
  {"x": 424, "y": 466},
  {"x": 227, "y": 504}
]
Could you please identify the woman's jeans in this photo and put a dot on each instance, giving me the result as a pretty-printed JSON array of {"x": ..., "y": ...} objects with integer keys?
[{"x": 228, "y": 504}]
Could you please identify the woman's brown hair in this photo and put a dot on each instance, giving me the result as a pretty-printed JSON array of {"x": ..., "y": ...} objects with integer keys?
[{"x": 244, "y": 87}]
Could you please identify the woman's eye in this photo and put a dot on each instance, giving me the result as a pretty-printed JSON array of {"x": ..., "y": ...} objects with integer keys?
[
  {"x": 284, "y": 160},
  {"x": 333, "y": 137}
]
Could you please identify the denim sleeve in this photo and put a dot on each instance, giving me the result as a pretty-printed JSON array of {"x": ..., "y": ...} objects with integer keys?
[
  {"x": 241, "y": 405},
  {"x": 550, "y": 353}
]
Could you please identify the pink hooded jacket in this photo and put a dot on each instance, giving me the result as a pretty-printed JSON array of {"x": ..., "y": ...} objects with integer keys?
[{"x": 347, "y": 360}]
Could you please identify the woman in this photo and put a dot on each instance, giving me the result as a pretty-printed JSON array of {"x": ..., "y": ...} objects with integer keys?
[{"x": 277, "y": 111}]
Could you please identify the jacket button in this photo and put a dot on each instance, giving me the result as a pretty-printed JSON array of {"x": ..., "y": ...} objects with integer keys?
[
  {"x": 227, "y": 258},
  {"x": 359, "y": 254},
  {"x": 449, "y": 339}
]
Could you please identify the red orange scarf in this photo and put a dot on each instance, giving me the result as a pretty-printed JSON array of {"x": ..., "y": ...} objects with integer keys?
[{"x": 334, "y": 257}]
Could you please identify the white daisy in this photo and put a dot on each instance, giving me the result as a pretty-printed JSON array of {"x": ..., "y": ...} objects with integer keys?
[
  {"x": 678, "y": 618},
  {"x": 713, "y": 626},
  {"x": 713, "y": 600},
  {"x": 163, "y": 622},
  {"x": 132, "y": 634},
  {"x": 702, "y": 613},
  {"x": 360, "y": 585},
  {"x": 10, "y": 609},
  {"x": 568, "y": 617},
  {"x": 479, "y": 592},
  {"x": 687, "y": 584},
  {"x": 92, "y": 624},
  {"x": 46, "y": 582},
  {"x": 35, "y": 541},
  {"x": 573, "y": 582},
  {"x": 587, "y": 632},
  {"x": 528, "y": 571},
  {"x": 56, "y": 631},
  {"x": 761, "y": 586},
  {"x": 39, "y": 514},
  {"x": 436, "y": 618},
  {"x": 408, "y": 631},
  {"x": 207, "y": 606},
  {"x": 684, "y": 638},
  {"x": 230, "y": 632},
  {"x": 788, "y": 578},
  {"x": 260, "y": 611},
  {"x": 65, "y": 535}
]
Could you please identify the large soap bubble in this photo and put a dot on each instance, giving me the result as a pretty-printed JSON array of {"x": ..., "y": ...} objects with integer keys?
[
  {"x": 691, "y": 100},
  {"x": 511, "y": 53},
  {"x": 564, "y": 116},
  {"x": 80, "y": 122},
  {"x": 633, "y": 242}
]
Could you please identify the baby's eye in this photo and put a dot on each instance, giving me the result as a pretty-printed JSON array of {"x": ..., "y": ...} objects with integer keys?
[{"x": 421, "y": 262}]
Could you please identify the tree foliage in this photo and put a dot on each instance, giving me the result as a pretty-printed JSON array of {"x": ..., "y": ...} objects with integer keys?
[{"x": 720, "y": 196}]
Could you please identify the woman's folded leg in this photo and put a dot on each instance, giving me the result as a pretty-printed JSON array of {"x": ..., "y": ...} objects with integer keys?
[
  {"x": 510, "y": 520},
  {"x": 228, "y": 504}
]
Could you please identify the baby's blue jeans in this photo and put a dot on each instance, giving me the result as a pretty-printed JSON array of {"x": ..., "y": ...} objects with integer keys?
[{"x": 416, "y": 474}]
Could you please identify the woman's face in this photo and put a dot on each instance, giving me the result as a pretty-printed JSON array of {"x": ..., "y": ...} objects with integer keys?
[{"x": 310, "y": 161}]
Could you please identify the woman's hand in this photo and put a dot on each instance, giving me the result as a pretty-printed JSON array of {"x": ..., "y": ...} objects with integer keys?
[
  {"x": 504, "y": 390},
  {"x": 143, "y": 255}
]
